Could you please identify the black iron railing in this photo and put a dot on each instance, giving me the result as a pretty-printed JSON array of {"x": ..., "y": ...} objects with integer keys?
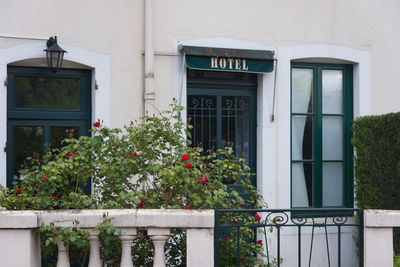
[{"x": 269, "y": 237}]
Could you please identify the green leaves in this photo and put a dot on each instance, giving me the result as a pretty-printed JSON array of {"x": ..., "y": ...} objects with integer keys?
[{"x": 139, "y": 166}]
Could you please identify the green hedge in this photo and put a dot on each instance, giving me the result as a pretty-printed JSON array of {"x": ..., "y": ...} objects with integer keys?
[{"x": 377, "y": 162}]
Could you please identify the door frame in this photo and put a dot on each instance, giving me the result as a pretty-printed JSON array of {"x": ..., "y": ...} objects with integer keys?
[
  {"x": 228, "y": 87},
  {"x": 46, "y": 118}
]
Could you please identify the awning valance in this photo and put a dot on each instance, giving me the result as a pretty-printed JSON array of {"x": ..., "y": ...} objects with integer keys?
[{"x": 227, "y": 59}]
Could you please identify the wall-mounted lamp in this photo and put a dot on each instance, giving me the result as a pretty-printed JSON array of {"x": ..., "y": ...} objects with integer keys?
[{"x": 54, "y": 54}]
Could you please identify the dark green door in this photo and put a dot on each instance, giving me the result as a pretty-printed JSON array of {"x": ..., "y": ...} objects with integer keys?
[
  {"x": 43, "y": 109},
  {"x": 221, "y": 106}
]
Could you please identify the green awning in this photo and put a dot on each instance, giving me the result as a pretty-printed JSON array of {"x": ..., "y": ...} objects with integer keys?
[{"x": 224, "y": 59}]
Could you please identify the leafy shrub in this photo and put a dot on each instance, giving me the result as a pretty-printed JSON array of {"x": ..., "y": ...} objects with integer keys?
[
  {"x": 396, "y": 260},
  {"x": 377, "y": 163},
  {"x": 148, "y": 164}
]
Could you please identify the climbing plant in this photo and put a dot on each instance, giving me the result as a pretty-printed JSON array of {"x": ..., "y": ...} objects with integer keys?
[{"x": 148, "y": 164}]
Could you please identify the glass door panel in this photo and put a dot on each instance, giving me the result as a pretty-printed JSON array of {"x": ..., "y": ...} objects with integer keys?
[
  {"x": 33, "y": 92},
  {"x": 332, "y": 138},
  {"x": 332, "y": 91},
  {"x": 33, "y": 138},
  {"x": 202, "y": 114},
  {"x": 332, "y": 184},
  {"x": 59, "y": 133},
  {"x": 27, "y": 142},
  {"x": 235, "y": 128}
]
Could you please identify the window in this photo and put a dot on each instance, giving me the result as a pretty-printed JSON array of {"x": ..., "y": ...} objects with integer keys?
[
  {"x": 321, "y": 152},
  {"x": 41, "y": 110}
]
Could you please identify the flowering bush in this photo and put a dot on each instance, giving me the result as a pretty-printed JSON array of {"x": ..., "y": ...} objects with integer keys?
[{"x": 148, "y": 164}]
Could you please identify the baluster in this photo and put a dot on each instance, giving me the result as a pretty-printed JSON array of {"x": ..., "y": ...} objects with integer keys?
[
  {"x": 94, "y": 243},
  {"x": 127, "y": 236},
  {"x": 63, "y": 257},
  {"x": 159, "y": 236}
]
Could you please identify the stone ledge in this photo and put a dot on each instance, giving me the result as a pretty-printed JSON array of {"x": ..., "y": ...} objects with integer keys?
[
  {"x": 381, "y": 218},
  {"x": 18, "y": 219},
  {"x": 122, "y": 218}
]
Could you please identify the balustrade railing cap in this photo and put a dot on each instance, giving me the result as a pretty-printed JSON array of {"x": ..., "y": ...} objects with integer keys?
[
  {"x": 130, "y": 218},
  {"x": 12, "y": 219},
  {"x": 382, "y": 218}
]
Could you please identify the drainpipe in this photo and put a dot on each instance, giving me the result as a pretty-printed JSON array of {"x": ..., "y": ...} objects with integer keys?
[{"x": 149, "y": 94}]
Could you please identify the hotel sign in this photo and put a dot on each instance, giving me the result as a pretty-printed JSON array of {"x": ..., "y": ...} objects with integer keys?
[{"x": 229, "y": 64}]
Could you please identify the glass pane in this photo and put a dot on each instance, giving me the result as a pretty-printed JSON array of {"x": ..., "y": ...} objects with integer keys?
[
  {"x": 302, "y": 88},
  {"x": 332, "y": 184},
  {"x": 46, "y": 93},
  {"x": 28, "y": 142},
  {"x": 302, "y": 184},
  {"x": 235, "y": 129},
  {"x": 332, "y": 138},
  {"x": 59, "y": 133},
  {"x": 202, "y": 112},
  {"x": 332, "y": 91},
  {"x": 302, "y": 137}
]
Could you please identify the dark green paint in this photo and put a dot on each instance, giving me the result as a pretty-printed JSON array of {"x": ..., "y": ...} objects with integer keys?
[
  {"x": 228, "y": 52},
  {"x": 229, "y": 64},
  {"x": 348, "y": 179},
  {"x": 233, "y": 86},
  {"x": 35, "y": 112}
]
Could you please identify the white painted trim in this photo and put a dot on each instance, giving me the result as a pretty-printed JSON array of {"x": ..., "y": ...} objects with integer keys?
[
  {"x": 100, "y": 73},
  {"x": 362, "y": 101}
]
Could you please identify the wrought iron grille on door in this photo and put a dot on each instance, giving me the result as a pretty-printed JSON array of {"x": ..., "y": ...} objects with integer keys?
[{"x": 221, "y": 107}]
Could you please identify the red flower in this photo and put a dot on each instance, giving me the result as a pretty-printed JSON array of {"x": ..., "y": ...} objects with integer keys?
[
  {"x": 78, "y": 187},
  {"x": 187, "y": 207},
  {"x": 185, "y": 157},
  {"x": 141, "y": 203},
  {"x": 19, "y": 191},
  {"x": 44, "y": 177},
  {"x": 127, "y": 157},
  {"x": 189, "y": 165},
  {"x": 241, "y": 260},
  {"x": 241, "y": 204},
  {"x": 260, "y": 243},
  {"x": 96, "y": 124},
  {"x": 70, "y": 154},
  {"x": 203, "y": 180},
  {"x": 135, "y": 154},
  {"x": 54, "y": 197},
  {"x": 235, "y": 222},
  {"x": 257, "y": 217}
]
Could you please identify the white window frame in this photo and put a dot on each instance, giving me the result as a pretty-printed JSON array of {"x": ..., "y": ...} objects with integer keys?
[{"x": 280, "y": 197}]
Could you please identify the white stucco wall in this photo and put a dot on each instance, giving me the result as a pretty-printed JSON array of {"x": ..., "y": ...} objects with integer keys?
[
  {"x": 108, "y": 37},
  {"x": 99, "y": 26},
  {"x": 116, "y": 29},
  {"x": 361, "y": 32}
]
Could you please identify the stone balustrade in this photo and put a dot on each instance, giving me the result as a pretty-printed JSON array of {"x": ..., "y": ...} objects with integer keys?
[
  {"x": 19, "y": 246},
  {"x": 378, "y": 236}
]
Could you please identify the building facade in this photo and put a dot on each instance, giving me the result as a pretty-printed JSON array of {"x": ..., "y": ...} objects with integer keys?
[{"x": 280, "y": 81}]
